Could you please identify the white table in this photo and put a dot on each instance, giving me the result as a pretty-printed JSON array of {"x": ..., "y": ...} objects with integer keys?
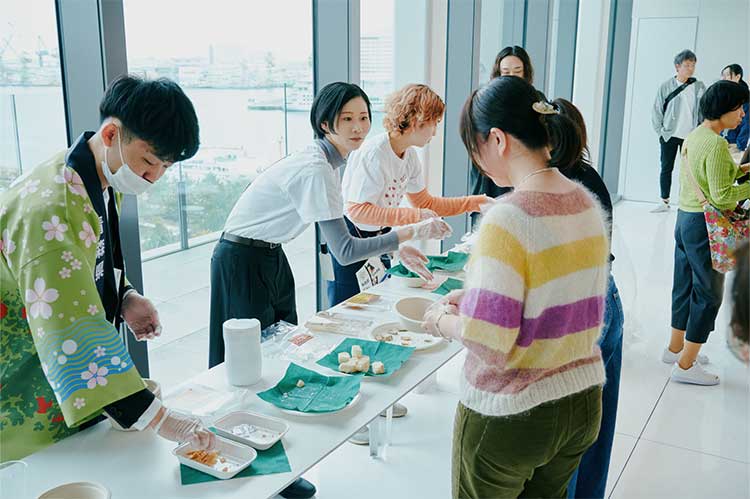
[{"x": 138, "y": 464}]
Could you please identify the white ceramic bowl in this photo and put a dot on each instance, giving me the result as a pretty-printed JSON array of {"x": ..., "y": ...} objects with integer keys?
[
  {"x": 410, "y": 312},
  {"x": 155, "y": 388},
  {"x": 78, "y": 490}
]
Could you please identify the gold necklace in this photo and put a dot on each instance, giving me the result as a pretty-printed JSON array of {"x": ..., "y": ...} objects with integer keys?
[{"x": 542, "y": 170}]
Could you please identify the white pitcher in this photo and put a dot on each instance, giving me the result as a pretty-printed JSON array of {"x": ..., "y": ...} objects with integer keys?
[{"x": 242, "y": 355}]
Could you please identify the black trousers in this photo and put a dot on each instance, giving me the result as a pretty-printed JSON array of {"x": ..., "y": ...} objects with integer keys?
[
  {"x": 697, "y": 289},
  {"x": 668, "y": 155},
  {"x": 248, "y": 283}
]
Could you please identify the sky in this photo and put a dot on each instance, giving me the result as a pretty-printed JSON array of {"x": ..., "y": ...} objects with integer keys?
[{"x": 186, "y": 28}]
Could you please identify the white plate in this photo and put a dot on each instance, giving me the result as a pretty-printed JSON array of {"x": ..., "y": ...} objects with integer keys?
[
  {"x": 267, "y": 432},
  {"x": 419, "y": 341},
  {"x": 238, "y": 457},
  {"x": 313, "y": 414}
]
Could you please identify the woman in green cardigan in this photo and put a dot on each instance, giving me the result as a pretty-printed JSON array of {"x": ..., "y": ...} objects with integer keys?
[{"x": 697, "y": 288}]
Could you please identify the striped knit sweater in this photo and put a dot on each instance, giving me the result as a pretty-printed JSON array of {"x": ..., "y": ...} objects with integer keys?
[{"x": 534, "y": 301}]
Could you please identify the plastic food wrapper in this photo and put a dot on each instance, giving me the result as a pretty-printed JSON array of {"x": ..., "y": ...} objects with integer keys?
[
  {"x": 320, "y": 394},
  {"x": 452, "y": 262},
  {"x": 200, "y": 400},
  {"x": 392, "y": 356},
  {"x": 338, "y": 323}
]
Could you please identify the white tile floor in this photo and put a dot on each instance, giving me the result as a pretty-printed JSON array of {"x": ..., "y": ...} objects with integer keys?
[{"x": 672, "y": 440}]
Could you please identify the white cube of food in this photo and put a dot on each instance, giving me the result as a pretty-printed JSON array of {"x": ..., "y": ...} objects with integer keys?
[
  {"x": 356, "y": 351},
  {"x": 348, "y": 367},
  {"x": 363, "y": 364},
  {"x": 300, "y": 383},
  {"x": 343, "y": 357},
  {"x": 378, "y": 367}
]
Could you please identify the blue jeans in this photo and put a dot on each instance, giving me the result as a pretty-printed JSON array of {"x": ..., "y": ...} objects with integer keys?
[{"x": 590, "y": 479}]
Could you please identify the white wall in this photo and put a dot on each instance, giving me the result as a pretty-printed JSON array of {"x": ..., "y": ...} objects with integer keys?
[
  {"x": 591, "y": 53},
  {"x": 717, "y": 30}
]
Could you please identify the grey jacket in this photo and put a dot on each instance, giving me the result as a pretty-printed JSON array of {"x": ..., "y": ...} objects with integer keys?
[{"x": 665, "y": 123}]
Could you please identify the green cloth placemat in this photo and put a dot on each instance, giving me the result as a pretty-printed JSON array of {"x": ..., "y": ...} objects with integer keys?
[
  {"x": 320, "y": 393},
  {"x": 392, "y": 356},
  {"x": 269, "y": 461},
  {"x": 452, "y": 262},
  {"x": 449, "y": 285}
]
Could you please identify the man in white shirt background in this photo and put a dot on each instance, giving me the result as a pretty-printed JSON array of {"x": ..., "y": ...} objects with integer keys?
[{"x": 674, "y": 115}]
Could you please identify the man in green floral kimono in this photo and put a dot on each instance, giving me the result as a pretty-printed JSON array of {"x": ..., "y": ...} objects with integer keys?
[{"x": 62, "y": 287}]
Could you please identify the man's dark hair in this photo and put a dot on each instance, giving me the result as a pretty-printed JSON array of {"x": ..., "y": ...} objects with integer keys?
[
  {"x": 515, "y": 50},
  {"x": 722, "y": 97},
  {"x": 155, "y": 111},
  {"x": 328, "y": 104},
  {"x": 685, "y": 55}
]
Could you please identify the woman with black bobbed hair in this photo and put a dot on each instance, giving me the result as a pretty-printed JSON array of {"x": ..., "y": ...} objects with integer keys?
[
  {"x": 569, "y": 139},
  {"x": 697, "y": 288},
  {"x": 531, "y": 309}
]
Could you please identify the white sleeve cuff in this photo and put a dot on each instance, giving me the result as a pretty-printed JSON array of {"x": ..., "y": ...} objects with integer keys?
[{"x": 148, "y": 416}]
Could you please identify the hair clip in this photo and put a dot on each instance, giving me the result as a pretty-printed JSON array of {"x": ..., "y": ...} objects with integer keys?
[{"x": 543, "y": 107}]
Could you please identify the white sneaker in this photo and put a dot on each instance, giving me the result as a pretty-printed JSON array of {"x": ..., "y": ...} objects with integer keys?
[
  {"x": 669, "y": 357},
  {"x": 662, "y": 208},
  {"x": 696, "y": 375}
]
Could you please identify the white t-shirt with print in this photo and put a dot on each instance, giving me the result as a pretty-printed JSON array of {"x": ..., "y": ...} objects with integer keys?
[
  {"x": 285, "y": 199},
  {"x": 374, "y": 174},
  {"x": 686, "y": 116}
]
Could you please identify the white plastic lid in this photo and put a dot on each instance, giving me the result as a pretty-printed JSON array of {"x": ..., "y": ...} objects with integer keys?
[{"x": 242, "y": 326}]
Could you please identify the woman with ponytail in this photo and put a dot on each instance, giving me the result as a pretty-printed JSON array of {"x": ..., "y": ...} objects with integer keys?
[
  {"x": 531, "y": 310},
  {"x": 570, "y": 155}
]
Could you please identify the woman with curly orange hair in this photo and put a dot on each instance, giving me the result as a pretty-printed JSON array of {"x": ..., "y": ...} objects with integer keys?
[{"x": 384, "y": 169}]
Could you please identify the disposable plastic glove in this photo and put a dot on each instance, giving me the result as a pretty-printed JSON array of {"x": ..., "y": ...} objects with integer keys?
[
  {"x": 434, "y": 228},
  {"x": 141, "y": 316},
  {"x": 426, "y": 214},
  {"x": 182, "y": 428},
  {"x": 414, "y": 260}
]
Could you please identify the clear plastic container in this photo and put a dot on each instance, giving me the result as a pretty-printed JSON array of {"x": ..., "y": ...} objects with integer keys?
[
  {"x": 249, "y": 428},
  {"x": 236, "y": 457}
]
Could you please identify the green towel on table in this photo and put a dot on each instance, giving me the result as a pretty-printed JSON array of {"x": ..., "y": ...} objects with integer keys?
[
  {"x": 449, "y": 285},
  {"x": 269, "y": 461},
  {"x": 392, "y": 356},
  {"x": 452, "y": 262},
  {"x": 320, "y": 393}
]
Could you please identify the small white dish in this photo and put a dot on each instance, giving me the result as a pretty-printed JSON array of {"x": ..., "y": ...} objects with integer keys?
[
  {"x": 261, "y": 432},
  {"x": 237, "y": 457},
  {"x": 410, "y": 312},
  {"x": 315, "y": 414},
  {"x": 419, "y": 341},
  {"x": 78, "y": 490}
]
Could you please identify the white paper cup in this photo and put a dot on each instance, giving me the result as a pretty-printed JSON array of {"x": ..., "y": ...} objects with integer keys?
[{"x": 78, "y": 490}]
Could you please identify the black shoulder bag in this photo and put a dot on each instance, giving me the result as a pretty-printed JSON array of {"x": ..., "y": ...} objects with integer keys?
[{"x": 676, "y": 92}]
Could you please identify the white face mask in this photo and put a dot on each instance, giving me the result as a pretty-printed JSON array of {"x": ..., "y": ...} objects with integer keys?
[{"x": 124, "y": 180}]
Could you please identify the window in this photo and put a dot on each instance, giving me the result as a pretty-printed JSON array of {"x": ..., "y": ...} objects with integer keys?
[
  {"x": 247, "y": 67},
  {"x": 32, "y": 115}
]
